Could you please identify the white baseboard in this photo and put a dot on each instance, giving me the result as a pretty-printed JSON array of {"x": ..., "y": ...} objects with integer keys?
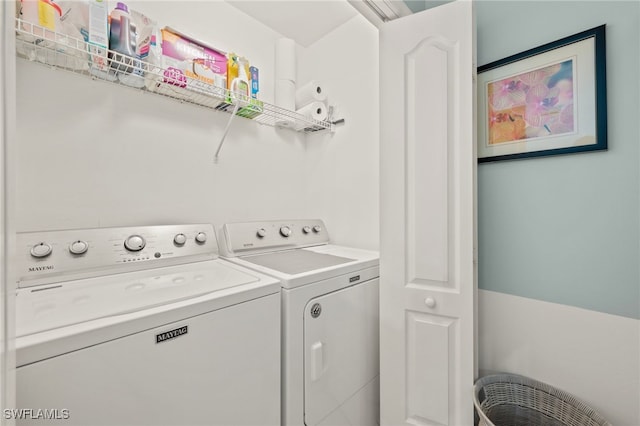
[{"x": 592, "y": 355}]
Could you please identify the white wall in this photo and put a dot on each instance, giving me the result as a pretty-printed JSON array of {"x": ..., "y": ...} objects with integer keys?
[
  {"x": 343, "y": 167},
  {"x": 7, "y": 285},
  {"x": 564, "y": 228},
  {"x": 92, "y": 154},
  {"x": 560, "y": 233},
  {"x": 592, "y": 355}
]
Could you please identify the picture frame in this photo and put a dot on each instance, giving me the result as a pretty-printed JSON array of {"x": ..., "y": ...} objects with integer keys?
[{"x": 548, "y": 100}]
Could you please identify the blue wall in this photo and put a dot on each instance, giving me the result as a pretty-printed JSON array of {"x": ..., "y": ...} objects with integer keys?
[{"x": 566, "y": 228}]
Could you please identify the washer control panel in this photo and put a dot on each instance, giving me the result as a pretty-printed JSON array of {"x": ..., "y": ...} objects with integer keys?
[
  {"x": 258, "y": 237},
  {"x": 53, "y": 256}
]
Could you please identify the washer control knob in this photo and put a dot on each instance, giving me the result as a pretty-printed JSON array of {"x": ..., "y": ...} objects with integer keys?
[
  {"x": 306, "y": 229},
  {"x": 41, "y": 250},
  {"x": 180, "y": 239},
  {"x": 261, "y": 233},
  {"x": 78, "y": 247},
  {"x": 317, "y": 229},
  {"x": 285, "y": 231},
  {"x": 134, "y": 243},
  {"x": 201, "y": 237}
]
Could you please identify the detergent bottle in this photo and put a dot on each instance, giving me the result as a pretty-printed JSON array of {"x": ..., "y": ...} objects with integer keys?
[{"x": 122, "y": 39}]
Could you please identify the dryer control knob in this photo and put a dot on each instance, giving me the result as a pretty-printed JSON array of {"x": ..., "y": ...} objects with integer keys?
[
  {"x": 317, "y": 229},
  {"x": 201, "y": 237},
  {"x": 78, "y": 247},
  {"x": 306, "y": 229},
  {"x": 180, "y": 239},
  {"x": 285, "y": 231},
  {"x": 134, "y": 243},
  {"x": 261, "y": 233},
  {"x": 41, "y": 250}
]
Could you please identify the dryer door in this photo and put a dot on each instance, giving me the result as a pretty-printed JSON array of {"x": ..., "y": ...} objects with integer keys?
[{"x": 341, "y": 361}]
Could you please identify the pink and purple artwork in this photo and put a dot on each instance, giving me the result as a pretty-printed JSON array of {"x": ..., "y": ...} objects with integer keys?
[{"x": 534, "y": 104}]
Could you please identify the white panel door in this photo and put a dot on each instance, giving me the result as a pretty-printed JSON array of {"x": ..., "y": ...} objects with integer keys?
[{"x": 428, "y": 185}]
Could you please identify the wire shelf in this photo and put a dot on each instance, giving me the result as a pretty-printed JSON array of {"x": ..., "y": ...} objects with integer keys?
[{"x": 41, "y": 45}]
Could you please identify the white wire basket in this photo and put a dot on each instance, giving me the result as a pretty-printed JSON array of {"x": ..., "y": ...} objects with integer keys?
[
  {"x": 41, "y": 45},
  {"x": 513, "y": 400}
]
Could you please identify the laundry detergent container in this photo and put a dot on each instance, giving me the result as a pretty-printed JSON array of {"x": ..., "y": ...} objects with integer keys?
[{"x": 513, "y": 400}]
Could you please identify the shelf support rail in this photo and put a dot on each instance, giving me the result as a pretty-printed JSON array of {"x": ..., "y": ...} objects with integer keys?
[{"x": 226, "y": 130}]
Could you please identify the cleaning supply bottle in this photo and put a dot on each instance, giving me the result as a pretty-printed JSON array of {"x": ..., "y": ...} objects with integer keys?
[
  {"x": 122, "y": 39},
  {"x": 232, "y": 68},
  {"x": 255, "y": 82},
  {"x": 240, "y": 85}
]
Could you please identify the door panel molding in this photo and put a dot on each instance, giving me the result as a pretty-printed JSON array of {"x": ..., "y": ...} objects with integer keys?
[
  {"x": 431, "y": 69},
  {"x": 429, "y": 339}
]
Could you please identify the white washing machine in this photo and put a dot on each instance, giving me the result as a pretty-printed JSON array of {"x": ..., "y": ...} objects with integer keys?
[
  {"x": 330, "y": 339},
  {"x": 143, "y": 326}
]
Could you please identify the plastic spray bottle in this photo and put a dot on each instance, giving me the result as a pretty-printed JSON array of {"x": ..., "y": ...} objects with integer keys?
[{"x": 240, "y": 84}]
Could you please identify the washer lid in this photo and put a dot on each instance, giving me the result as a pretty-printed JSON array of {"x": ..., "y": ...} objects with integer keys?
[
  {"x": 73, "y": 302},
  {"x": 297, "y": 261}
]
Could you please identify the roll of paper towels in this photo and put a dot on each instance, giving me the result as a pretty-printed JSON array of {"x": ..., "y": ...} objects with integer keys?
[
  {"x": 285, "y": 60},
  {"x": 285, "y": 94},
  {"x": 315, "y": 110},
  {"x": 310, "y": 92}
]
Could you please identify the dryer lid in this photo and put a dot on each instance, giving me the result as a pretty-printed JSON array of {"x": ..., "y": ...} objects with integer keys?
[{"x": 297, "y": 261}]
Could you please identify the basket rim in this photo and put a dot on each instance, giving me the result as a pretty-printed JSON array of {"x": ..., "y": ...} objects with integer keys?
[{"x": 511, "y": 378}]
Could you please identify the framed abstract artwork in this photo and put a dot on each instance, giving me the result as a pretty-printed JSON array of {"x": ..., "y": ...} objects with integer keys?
[{"x": 545, "y": 101}]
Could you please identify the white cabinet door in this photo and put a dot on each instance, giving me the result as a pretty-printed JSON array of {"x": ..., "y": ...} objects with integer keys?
[{"x": 428, "y": 186}]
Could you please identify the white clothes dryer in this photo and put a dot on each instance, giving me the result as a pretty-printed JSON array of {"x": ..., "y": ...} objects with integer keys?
[
  {"x": 143, "y": 326},
  {"x": 330, "y": 342}
]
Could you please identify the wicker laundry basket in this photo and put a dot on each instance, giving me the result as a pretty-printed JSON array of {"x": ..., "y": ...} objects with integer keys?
[{"x": 512, "y": 400}]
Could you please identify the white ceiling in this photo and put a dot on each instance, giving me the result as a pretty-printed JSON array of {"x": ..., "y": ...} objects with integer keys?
[{"x": 304, "y": 21}]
